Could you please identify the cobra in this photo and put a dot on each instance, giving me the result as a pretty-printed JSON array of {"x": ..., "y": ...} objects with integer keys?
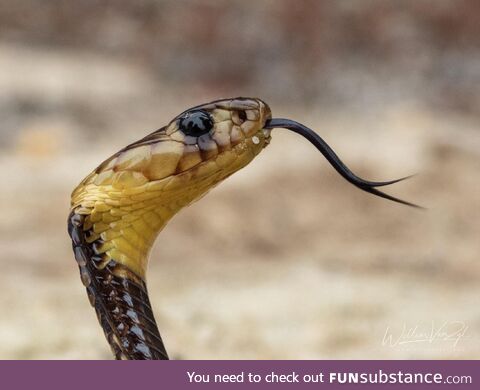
[{"x": 118, "y": 210}]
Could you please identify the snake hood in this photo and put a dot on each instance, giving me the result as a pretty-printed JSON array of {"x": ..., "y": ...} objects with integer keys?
[{"x": 118, "y": 210}]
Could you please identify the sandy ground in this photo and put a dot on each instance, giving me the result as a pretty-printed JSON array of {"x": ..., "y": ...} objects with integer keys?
[{"x": 285, "y": 260}]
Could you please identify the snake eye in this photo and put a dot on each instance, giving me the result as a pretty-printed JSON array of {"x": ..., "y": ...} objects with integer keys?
[{"x": 196, "y": 123}]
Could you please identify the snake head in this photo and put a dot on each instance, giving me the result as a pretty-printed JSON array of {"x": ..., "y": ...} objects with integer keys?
[
  {"x": 219, "y": 137},
  {"x": 207, "y": 142},
  {"x": 198, "y": 148}
]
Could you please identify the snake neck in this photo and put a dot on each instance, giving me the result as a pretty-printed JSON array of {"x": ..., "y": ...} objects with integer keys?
[
  {"x": 119, "y": 296},
  {"x": 113, "y": 223},
  {"x": 112, "y": 231},
  {"x": 113, "y": 226}
]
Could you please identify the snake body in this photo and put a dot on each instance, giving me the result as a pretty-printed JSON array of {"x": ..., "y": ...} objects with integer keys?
[{"x": 118, "y": 210}]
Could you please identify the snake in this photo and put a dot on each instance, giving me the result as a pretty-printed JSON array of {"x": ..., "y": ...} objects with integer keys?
[{"x": 118, "y": 210}]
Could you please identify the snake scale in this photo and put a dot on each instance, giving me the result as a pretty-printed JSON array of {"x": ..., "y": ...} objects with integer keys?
[{"x": 118, "y": 210}]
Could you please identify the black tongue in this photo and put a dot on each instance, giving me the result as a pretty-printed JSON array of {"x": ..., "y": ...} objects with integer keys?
[{"x": 334, "y": 160}]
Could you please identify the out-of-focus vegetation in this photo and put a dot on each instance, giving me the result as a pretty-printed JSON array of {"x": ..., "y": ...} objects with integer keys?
[{"x": 284, "y": 260}]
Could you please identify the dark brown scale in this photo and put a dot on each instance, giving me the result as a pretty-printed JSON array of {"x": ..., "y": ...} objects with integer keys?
[
  {"x": 121, "y": 303},
  {"x": 76, "y": 238},
  {"x": 97, "y": 260},
  {"x": 80, "y": 255},
  {"x": 91, "y": 297},
  {"x": 85, "y": 276}
]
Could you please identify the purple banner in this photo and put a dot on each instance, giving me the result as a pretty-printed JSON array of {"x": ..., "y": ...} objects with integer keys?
[{"x": 311, "y": 374}]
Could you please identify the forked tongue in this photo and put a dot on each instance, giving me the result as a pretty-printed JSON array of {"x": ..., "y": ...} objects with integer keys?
[{"x": 334, "y": 160}]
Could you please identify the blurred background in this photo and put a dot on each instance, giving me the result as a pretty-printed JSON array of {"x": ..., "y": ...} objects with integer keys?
[{"x": 285, "y": 259}]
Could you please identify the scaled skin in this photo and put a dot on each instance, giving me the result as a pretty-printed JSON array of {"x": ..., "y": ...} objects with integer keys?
[{"x": 131, "y": 196}]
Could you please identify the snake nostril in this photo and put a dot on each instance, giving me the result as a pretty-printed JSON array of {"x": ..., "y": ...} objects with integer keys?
[{"x": 242, "y": 115}]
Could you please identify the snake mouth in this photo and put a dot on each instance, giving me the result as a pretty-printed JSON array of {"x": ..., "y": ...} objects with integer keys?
[{"x": 334, "y": 160}]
